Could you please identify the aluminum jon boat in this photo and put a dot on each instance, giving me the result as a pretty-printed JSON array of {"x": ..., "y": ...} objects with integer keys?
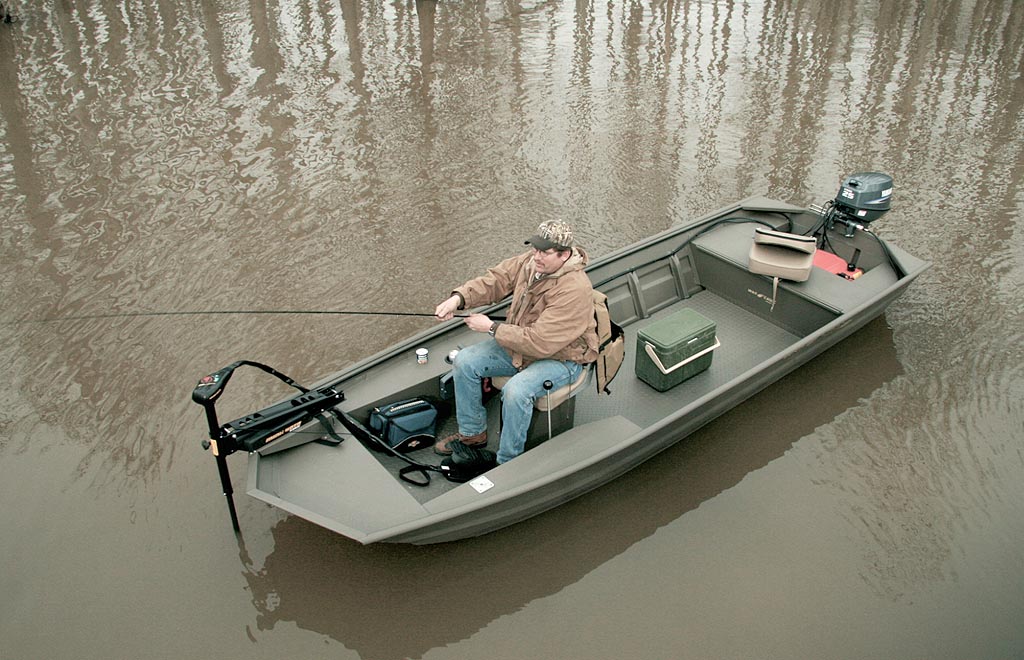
[{"x": 311, "y": 464}]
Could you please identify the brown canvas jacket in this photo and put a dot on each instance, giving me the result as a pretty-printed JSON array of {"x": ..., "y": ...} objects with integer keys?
[{"x": 550, "y": 317}]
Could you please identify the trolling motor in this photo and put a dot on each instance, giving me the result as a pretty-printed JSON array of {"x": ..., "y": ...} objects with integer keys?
[
  {"x": 255, "y": 430},
  {"x": 270, "y": 427},
  {"x": 862, "y": 198}
]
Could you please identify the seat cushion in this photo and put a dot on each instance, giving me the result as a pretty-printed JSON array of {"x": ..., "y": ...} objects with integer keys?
[{"x": 782, "y": 255}]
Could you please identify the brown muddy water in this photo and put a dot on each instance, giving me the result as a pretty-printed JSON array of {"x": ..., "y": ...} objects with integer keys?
[{"x": 163, "y": 162}]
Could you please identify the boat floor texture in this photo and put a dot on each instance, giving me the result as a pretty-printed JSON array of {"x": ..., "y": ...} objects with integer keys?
[{"x": 746, "y": 341}]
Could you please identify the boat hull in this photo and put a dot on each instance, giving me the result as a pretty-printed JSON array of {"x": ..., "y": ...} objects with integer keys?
[{"x": 354, "y": 491}]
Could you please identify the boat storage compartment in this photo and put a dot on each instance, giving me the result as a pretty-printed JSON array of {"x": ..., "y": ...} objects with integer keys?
[{"x": 675, "y": 348}]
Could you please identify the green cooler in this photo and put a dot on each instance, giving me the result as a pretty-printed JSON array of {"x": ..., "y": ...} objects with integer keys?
[{"x": 675, "y": 348}]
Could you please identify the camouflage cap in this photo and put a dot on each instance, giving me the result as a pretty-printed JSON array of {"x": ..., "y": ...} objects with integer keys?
[{"x": 552, "y": 234}]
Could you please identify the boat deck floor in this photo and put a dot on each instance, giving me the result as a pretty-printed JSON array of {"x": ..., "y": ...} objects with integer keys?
[{"x": 746, "y": 341}]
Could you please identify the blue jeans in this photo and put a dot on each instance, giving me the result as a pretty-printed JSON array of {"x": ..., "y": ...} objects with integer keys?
[{"x": 488, "y": 359}]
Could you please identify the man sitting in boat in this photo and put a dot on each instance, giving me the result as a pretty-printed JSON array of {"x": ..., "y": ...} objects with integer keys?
[{"x": 549, "y": 335}]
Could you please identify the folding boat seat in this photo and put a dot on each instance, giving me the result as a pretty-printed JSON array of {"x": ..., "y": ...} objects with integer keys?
[
  {"x": 557, "y": 397},
  {"x": 561, "y": 416},
  {"x": 781, "y": 255}
]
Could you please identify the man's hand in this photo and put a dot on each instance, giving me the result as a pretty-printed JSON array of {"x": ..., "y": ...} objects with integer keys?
[
  {"x": 478, "y": 322},
  {"x": 446, "y": 310}
]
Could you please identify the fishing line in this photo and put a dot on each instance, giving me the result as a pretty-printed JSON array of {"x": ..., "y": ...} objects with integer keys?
[{"x": 228, "y": 312}]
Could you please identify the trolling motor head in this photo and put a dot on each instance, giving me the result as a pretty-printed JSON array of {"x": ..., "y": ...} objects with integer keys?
[{"x": 862, "y": 198}]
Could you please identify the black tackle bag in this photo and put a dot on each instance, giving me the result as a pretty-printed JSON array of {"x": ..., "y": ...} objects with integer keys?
[{"x": 405, "y": 425}]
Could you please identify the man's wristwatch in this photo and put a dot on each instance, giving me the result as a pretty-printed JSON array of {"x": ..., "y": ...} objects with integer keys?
[{"x": 493, "y": 328}]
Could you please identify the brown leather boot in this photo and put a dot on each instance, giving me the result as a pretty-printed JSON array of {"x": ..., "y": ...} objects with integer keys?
[{"x": 443, "y": 447}]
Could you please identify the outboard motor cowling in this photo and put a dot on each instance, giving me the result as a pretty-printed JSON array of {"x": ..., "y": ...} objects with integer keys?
[{"x": 864, "y": 197}]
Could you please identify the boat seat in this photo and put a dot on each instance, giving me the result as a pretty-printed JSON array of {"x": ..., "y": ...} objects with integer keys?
[
  {"x": 557, "y": 397},
  {"x": 559, "y": 417},
  {"x": 781, "y": 255}
]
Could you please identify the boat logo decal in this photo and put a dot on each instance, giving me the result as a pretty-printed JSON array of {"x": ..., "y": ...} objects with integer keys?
[{"x": 757, "y": 294}]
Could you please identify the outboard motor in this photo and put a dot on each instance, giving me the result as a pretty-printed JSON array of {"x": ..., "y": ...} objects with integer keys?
[{"x": 862, "y": 198}]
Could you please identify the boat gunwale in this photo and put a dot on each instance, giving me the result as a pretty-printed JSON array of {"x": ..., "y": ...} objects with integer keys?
[{"x": 767, "y": 206}]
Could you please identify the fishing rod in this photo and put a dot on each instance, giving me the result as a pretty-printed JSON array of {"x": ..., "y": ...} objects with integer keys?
[{"x": 228, "y": 312}]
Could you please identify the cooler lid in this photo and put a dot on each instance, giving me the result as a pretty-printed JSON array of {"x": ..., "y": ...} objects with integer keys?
[{"x": 669, "y": 331}]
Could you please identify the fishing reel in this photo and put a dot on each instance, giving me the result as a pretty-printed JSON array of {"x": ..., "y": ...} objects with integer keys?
[{"x": 862, "y": 198}]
